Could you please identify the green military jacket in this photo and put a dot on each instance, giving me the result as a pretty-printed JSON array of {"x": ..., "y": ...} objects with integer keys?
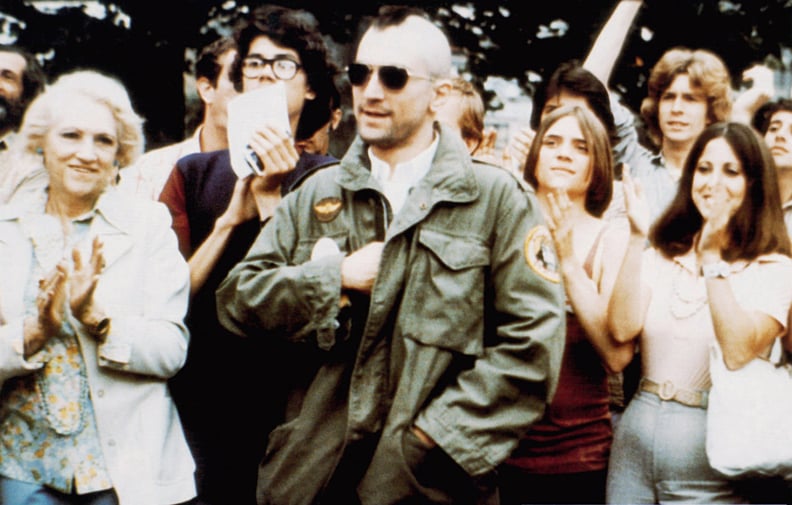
[{"x": 462, "y": 334}]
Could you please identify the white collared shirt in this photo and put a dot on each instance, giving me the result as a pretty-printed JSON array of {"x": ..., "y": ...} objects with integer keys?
[
  {"x": 396, "y": 183},
  {"x": 148, "y": 174}
]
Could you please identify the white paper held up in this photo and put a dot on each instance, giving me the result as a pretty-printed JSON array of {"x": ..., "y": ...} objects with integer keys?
[{"x": 248, "y": 112}]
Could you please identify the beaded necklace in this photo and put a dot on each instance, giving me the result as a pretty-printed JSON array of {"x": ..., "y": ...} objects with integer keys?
[
  {"x": 64, "y": 421},
  {"x": 684, "y": 306}
]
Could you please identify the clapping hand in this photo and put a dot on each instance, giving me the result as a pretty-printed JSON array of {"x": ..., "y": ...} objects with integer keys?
[
  {"x": 519, "y": 145},
  {"x": 51, "y": 299},
  {"x": 485, "y": 151},
  {"x": 636, "y": 205},
  {"x": 82, "y": 284},
  {"x": 714, "y": 230},
  {"x": 79, "y": 284},
  {"x": 50, "y": 304},
  {"x": 559, "y": 223}
]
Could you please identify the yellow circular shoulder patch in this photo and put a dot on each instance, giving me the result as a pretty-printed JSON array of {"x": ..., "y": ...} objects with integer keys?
[{"x": 540, "y": 253}]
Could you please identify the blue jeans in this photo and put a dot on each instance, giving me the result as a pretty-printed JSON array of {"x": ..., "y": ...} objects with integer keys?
[
  {"x": 658, "y": 456},
  {"x": 15, "y": 492}
]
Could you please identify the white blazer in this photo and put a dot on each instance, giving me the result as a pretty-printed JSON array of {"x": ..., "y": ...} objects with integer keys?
[{"x": 144, "y": 289}]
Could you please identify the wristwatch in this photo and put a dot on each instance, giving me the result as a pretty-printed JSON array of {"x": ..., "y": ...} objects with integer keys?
[{"x": 719, "y": 269}]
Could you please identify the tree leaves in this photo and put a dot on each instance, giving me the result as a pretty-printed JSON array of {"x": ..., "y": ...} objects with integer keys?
[{"x": 513, "y": 39}]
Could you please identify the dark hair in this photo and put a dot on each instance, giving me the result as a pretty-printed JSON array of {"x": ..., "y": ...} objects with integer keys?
[
  {"x": 394, "y": 15},
  {"x": 33, "y": 78},
  {"x": 317, "y": 112},
  {"x": 570, "y": 76},
  {"x": 757, "y": 227},
  {"x": 762, "y": 117},
  {"x": 208, "y": 63},
  {"x": 297, "y": 30},
  {"x": 335, "y": 98},
  {"x": 600, "y": 188}
]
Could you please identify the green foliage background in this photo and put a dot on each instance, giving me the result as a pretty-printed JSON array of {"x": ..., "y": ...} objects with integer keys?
[{"x": 510, "y": 38}]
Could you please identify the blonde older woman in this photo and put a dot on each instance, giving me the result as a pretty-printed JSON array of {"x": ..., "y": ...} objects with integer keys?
[{"x": 91, "y": 306}]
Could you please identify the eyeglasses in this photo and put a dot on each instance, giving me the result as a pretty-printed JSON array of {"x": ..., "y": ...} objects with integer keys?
[
  {"x": 283, "y": 67},
  {"x": 392, "y": 77}
]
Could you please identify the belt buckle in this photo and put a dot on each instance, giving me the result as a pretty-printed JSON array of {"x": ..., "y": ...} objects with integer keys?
[{"x": 667, "y": 391}]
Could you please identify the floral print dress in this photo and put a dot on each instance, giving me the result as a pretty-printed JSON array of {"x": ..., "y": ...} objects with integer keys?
[{"x": 48, "y": 433}]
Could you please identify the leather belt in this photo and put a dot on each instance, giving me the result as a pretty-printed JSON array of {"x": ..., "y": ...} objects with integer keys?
[{"x": 667, "y": 391}]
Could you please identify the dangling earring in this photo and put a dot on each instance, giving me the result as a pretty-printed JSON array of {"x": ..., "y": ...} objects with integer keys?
[
  {"x": 39, "y": 151},
  {"x": 117, "y": 167}
]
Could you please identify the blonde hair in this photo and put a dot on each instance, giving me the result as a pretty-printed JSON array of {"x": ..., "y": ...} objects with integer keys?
[
  {"x": 471, "y": 113},
  {"x": 706, "y": 71},
  {"x": 97, "y": 87}
]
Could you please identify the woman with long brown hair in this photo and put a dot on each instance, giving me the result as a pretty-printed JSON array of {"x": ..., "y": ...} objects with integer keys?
[{"x": 718, "y": 273}]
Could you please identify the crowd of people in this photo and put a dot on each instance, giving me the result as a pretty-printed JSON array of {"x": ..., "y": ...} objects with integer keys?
[{"x": 419, "y": 320}]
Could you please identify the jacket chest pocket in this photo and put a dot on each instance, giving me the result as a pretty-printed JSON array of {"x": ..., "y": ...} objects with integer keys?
[{"x": 444, "y": 296}]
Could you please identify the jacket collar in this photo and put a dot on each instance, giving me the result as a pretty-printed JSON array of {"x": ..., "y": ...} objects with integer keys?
[
  {"x": 450, "y": 179},
  {"x": 114, "y": 218},
  {"x": 109, "y": 208}
]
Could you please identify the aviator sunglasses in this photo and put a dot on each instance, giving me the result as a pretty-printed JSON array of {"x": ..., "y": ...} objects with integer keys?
[{"x": 392, "y": 77}]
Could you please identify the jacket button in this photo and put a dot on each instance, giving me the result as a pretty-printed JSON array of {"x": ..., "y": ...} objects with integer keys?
[
  {"x": 423, "y": 206},
  {"x": 100, "y": 393}
]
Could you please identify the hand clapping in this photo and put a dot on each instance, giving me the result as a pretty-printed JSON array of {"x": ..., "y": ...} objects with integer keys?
[
  {"x": 83, "y": 281},
  {"x": 714, "y": 236},
  {"x": 636, "y": 205},
  {"x": 559, "y": 223},
  {"x": 51, "y": 301}
]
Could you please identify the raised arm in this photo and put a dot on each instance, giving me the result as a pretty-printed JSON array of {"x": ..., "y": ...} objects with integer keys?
[
  {"x": 589, "y": 297},
  {"x": 240, "y": 209},
  {"x": 608, "y": 46},
  {"x": 256, "y": 195},
  {"x": 630, "y": 298},
  {"x": 761, "y": 91}
]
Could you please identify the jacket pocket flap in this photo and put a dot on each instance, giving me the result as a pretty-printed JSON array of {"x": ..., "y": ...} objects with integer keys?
[{"x": 456, "y": 253}]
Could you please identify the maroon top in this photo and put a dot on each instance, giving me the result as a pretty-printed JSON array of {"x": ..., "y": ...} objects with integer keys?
[{"x": 575, "y": 433}]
